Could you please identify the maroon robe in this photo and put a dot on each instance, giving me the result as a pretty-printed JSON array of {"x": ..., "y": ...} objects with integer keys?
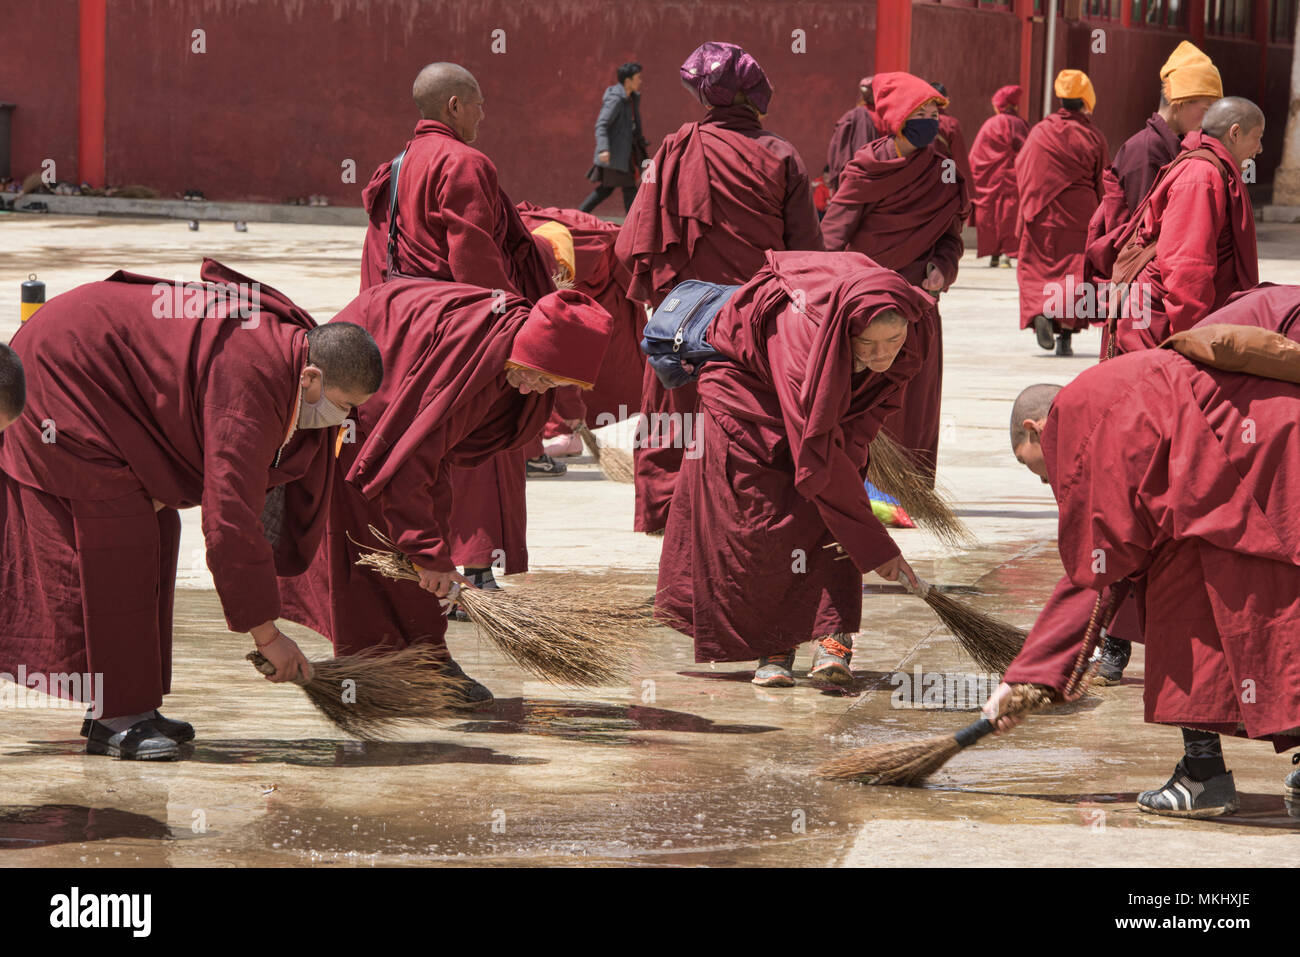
[
  {"x": 785, "y": 425},
  {"x": 125, "y": 407},
  {"x": 456, "y": 223},
  {"x": 1059, "y": 174},
  {"x": 900, "y": 212},
  {"x": 854, "y": 130},
  {"x": 1128, "y": 179},
  {"x": 724, "y": 191},
  {"x": 993, "y": 175},
  {"x": 1205, "y": 251},
  {"x": 617, "y": 391},
  {"x": 952, "y": 143},
  {"x": 1148, "y": 462},
  {"x": 445, "y": 402}
]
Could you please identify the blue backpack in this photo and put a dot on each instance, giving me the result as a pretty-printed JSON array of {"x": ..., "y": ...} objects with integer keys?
[{"x": 676, "y": 339}]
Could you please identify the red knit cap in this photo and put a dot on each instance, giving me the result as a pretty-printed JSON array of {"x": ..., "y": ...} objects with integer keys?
[
  {"x": 898, "y": 95},
  {"x": 565, "y": 337},
  {"x": 1006, "y": 96}
]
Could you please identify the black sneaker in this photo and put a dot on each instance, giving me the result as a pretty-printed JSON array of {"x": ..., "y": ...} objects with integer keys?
[
  {"x": 1063, "y": 344},
  {"x": 1115, "y": 653},
  {"x": 475, "y": 695},
  {"x": 178, "y": 731},
  {"x": 1291, "y": 786},
  {"x": 993, "y": 261},
  {"x": 482, "y": 578},
  {"x": 545, "y": 467},
  {"x": 1183, "y": 797},
  {"x": 143, "y": 741},
  {"x": 1044, "y": 333}
]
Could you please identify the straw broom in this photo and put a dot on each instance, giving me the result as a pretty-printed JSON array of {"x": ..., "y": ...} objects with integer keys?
[
  {"x": 911, "y": 762},
  {"x": 891, "y": 470},
  {"x": 617, "y": 464},
  {"x": 578, "y": 636},
  {"x": 386, "y": 690}
]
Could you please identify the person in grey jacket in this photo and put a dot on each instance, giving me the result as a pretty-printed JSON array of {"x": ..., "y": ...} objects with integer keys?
[{"x": 620, "y": 147}]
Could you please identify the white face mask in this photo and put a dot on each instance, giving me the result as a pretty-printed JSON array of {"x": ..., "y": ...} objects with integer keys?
[{"x": 321, "y": 414}]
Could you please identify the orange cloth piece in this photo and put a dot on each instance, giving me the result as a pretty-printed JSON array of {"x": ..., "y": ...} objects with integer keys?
[
  {"x": 1189, "y": 73},
  {"x": 1075, "y": 85}
]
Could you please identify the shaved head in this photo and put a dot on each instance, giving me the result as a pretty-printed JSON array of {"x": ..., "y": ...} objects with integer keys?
[
  {"x": 437, "y": 83},
  {"x": 347, "y": 357},
  {"x": 1231, "y": 111},
  {"x": 1033, "y": 403}
]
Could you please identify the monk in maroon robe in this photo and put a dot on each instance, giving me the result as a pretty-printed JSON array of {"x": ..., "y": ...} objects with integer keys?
[
  {"x": 854, "y": 130},
  {"x": 13, "y": 387},
  {"x": 454, "y": 222},
  {"x": 1168, "y": 469},
  {"x": 724, "y": 191},
  {"x": 818, "y": 348},
  {"x": 145, "y": 397},
  {"x": 901, "y": 203},
  {"x": 599, "y": 274},
  {"x": 1059, "y": 174},
  {"x": 995, "y": 194},
  {"x": 1200, "y": 220},
  {"x": 1189, "y": 83},
  {"x": 951, "y": 141},
  {"x": 467, "y": 375}
]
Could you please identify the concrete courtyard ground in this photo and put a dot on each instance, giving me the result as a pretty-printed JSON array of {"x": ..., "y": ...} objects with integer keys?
[{"x": 687, "y": 765}]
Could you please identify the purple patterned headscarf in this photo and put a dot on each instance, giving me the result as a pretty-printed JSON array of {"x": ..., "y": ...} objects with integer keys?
[{"x": 717, "y": 71}]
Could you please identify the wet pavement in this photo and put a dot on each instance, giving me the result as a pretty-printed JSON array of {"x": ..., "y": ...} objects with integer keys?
[{"x": 688, "y": 764}]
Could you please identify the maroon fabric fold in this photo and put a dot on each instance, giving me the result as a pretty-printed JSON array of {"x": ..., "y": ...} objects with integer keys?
[{"x": 996, "y": 195}]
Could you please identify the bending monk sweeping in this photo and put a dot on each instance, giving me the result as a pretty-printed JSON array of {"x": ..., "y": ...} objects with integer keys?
[
  {"x": 13, "y": 387},
  {"x": 1059, "y": 174},
  {"x": 1198, "y": 227},
  {"x": 854, "y": 130},
  {"x": 902, "y": 202},
  {"x": 455, "y": 223},
  {"x": 725, "y": 191},
  {"x": 993, "y": 173},
  {"x": 1189, "y": 83},
  {"x": 818, "y": 348},
  {"x": 146, "y": 397},
  {"x": 1166, "y": 473},
  {"x": 598, "y": 273},
  {"x": 468, "y": 376}
]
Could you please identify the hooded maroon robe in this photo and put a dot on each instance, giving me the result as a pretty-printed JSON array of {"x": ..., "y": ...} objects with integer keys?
[
  {"x": 456, "y": 223},
  {"x": 951, "y": 141},
  {"x": 600, "y": 275},
  {"x": 901, "y": 213},
  {"x": 785, "y": 427},
  {"x": 1146, "y": 456},
  {"x": 994, "y": 192},
  {"x": 1129, "y": 177},
  {"x": 854, "y": 130},
  {"x": 1205, "y": 251},
  {"x": 445, "y": 402},
  {"x": 724, "y": 191},
  {"x": 124, "y": 407},
  {"x": 1059, "y": 174}
]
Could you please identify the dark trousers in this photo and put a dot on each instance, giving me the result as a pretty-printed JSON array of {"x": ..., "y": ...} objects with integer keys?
[{"x": 602, "y": 193}]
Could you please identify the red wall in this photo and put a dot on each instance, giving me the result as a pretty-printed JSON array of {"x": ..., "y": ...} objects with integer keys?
[
  {"x": 40, "y": 76},
  {"x": 288, "y": 90}
]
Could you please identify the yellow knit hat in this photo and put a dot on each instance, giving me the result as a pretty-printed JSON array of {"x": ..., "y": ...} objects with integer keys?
[
  {"x": 1075, "y": 85},
  {"x": 1189, "y": 73}
]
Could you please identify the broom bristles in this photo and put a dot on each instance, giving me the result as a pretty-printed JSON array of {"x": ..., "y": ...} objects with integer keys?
[
  {"x": 384, "y": 690},
  {"x": 617, "y": 464},
  {"x": 992, "y": 643},
  {"x": 890, "y": 469},
  {"x": 908, "y": 763},
  {"x": 579, "y": 636}
]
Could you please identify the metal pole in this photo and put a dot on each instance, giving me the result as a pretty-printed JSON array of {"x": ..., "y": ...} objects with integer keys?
[{"x": 1049, "y": 60}]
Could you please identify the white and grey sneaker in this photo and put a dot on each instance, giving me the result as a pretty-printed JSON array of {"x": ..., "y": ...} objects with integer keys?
[
  {"x": 1183, "y": 797},
  {"x": 1291, "y": 786}
]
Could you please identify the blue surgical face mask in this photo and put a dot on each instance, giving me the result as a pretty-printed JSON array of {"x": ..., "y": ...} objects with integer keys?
[{"x": 921, "y": 132}]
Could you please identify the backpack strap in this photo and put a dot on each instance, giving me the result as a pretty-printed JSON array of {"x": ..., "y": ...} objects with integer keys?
[{"x": 394, "y": 173}]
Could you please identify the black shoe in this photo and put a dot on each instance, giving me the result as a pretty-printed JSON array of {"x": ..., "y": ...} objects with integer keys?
[
  {"x": 178, "y": 731},
  {"x": 475, "y": 695},
  {"x": 993, "y": 261},
  {"x": 545, "y": 467},
  {"x": 1043, "y": 333},
  {"x": 482, "y": 578},
  {"x": 1063, "y": 345},
  {"x": 1183, "y": 797},
  {"x": 143, "y": 741},
  {"x": 1115, "y": 654}
]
